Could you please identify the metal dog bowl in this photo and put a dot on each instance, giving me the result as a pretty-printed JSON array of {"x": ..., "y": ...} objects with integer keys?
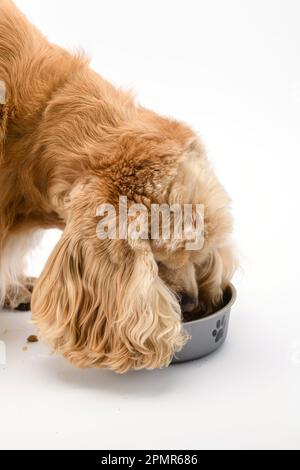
[{"x": 207, "y": 333}]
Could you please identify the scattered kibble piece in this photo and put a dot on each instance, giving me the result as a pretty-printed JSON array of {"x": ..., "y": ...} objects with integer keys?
[{"x": 32, "y": 339}]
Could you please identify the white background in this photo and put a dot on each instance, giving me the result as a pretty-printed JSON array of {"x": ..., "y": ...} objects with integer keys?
[{"x": 232, "y": 70}]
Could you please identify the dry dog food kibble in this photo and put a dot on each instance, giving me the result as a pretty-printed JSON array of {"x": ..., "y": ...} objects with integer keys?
[{"x": 32, "y": 339}]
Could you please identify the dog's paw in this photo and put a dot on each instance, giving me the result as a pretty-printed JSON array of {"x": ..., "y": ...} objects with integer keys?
[
  {"x": 30, "y": 283},
  {"x": 218, "y": 333},
  {"x": 20, "y": 298}
]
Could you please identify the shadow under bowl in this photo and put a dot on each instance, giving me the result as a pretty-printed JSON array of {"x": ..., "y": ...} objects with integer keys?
[{"x": 207, "y": 333}]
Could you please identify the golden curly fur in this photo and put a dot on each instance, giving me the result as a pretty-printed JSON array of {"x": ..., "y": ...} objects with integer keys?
[{"x": 70, "y": 141}]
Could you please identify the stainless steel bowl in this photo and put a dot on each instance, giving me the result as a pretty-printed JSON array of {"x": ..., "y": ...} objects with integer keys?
[{"x": 208, "y": 333}]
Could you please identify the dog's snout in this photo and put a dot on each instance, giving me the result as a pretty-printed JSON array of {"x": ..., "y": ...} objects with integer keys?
[{"x": 188, "y": 303}]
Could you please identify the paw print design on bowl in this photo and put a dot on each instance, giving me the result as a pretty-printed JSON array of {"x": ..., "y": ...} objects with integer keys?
[{"x": 218, "y": 332}]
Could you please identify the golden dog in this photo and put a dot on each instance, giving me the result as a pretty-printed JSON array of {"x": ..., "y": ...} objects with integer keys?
[{"x": 69, "y": 142}]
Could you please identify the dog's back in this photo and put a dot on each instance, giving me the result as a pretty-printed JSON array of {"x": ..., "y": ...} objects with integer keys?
[
  {"x": 31, "y": 69},
  {"x": 19, "y": 44}
]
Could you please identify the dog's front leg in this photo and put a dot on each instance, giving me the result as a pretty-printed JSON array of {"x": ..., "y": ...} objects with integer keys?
[
  {"x": 15, "y": 286},
  {"x": 18, "y": 297}
]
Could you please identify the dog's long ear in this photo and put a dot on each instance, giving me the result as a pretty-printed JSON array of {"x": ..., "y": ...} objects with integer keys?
[{"x": 100, "y": 303}]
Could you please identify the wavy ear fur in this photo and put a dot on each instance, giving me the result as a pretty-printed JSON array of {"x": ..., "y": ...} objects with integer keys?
[{"x": 101, "y": 303}]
